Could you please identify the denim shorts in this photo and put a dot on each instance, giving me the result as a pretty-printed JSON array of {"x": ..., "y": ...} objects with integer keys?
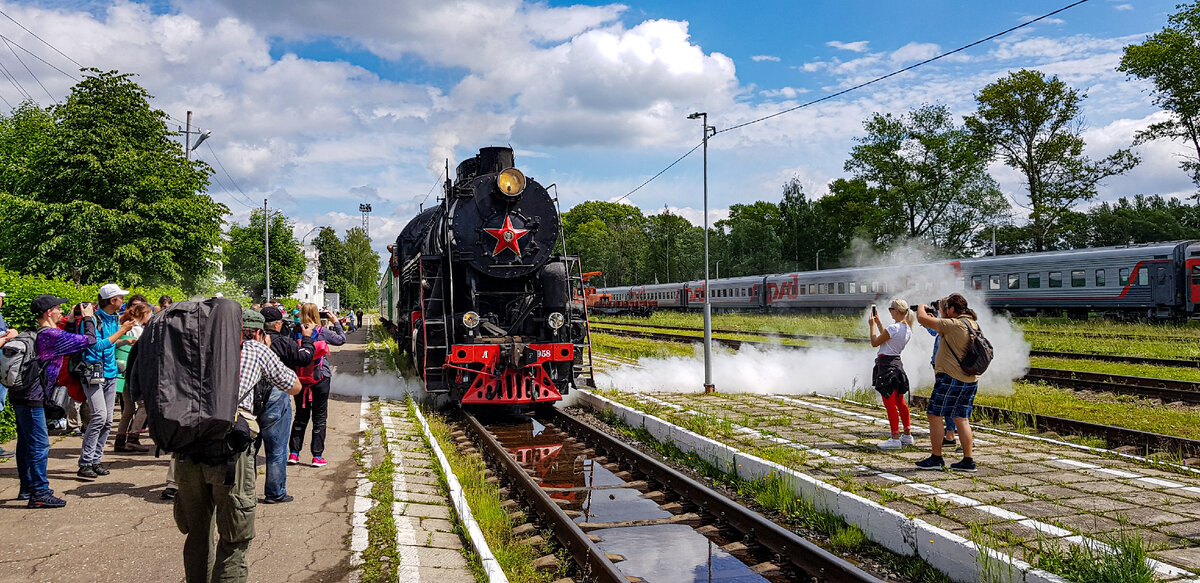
[{"x": 951, "y": 397}]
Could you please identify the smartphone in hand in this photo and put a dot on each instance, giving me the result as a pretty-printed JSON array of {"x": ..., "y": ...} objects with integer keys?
[{"x": 874, "y": 311}]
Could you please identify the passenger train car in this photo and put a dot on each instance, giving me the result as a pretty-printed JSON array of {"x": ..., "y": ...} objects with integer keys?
[{"x": 1152, "y": 280}]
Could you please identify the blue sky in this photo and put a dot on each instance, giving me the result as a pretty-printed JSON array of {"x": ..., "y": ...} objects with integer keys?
[{"x": 319, "y": 106}]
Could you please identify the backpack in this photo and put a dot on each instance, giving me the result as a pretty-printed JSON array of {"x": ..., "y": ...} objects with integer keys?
[
  {"x": 187, "y": 373},
  {"x": 310, "y": 374},
  {"x": 978, "y": 354},
  {"x": 20, "y": 368}
]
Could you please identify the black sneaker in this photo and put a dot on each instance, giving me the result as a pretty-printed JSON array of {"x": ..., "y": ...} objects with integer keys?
[
  {"x": 169, "y": 493},
  {"x": 46, "y": 501},
  {"x": 86, "y": 472},
  {"x": 933, "y": 462},
  {"x": 279, "y": 500},
  {"x": 966, "y": 465},
  {"x": 100, "y": 470}
]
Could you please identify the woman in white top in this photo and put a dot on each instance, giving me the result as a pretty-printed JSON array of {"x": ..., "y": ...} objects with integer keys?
[{"x": 888, "y": 375}]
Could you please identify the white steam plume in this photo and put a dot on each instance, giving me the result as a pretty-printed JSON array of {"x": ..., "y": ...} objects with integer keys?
[
  {"x": 835, "y": 367},
  {"x": 382, "y": 385}
]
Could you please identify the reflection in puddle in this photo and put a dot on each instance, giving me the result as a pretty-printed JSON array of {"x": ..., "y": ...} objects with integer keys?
[
  {"x": 666, "y": 553},
  {"x": 672, "y": 553}
]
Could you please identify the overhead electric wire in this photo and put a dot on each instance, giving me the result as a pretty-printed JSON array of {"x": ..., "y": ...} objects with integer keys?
[
  {"x": 441, "y": 175},
  {"x": 64, "y": 55},
  {"x": 231, "y": 180},
  {"x": 27, "y": 70},
  {"x": 860, "y": 86},
  {"x": 34, "y": 55},
  {"x": 16, "y": 84}
]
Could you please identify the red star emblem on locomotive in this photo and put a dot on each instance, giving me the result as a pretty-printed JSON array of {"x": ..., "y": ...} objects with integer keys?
[{"x": 507, "y": 237}]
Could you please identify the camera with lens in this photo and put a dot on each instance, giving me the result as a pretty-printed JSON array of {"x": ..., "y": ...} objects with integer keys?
[{"x": 931, "y": 309}]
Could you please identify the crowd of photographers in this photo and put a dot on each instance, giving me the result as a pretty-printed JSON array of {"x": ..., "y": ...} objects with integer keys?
[{"x": 85, "y": 351}]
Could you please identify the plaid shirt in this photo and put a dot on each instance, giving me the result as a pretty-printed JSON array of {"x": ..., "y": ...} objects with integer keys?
[{"x": 260, "y": 364}]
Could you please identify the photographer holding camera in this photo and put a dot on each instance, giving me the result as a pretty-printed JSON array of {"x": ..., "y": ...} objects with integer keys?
[
  {"x": 275, "y": 423},
  {"x": 953, "y": 389}
]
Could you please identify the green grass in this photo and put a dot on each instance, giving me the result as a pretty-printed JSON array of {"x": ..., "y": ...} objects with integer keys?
[
  {"x": 638, "y": 347},
  {"x": 380, "y": 558},
  {"x": 1137, "y": 370},
  {"x": 1085, "y": 564},
  {"x": 514, "y": 555}
]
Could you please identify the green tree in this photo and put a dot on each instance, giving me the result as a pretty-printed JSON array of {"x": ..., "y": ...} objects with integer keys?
[
  {"x": 363, "y": 269},
  {"x": 929, "y": 177},
  {"x": 96, "y": 189},
  {"x": 755, "y": 244},
  {"x": 1170, "y": 59},
  {"x": 615, "y": 246},
  {"x": 1033, "y": 124},
  {"x": 244, "y": 263},
  {"x": 333, "y": 265},
  {"x": 668, "y": 255}
]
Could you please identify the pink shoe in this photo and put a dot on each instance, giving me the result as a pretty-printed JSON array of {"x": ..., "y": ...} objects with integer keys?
[
  {"x": 293, "y": 458},
  {"x": 318, "y": 462}
]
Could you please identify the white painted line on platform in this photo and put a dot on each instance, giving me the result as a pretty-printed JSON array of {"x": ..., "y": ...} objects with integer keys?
[
  {"x": 1075, "y": 463},
  {"x": 1162, "y": 482},
  {"x": 961, "y": 500},
  {"x": 359, "y": 538},
  {"x": 409, "y": 569},
  {"x": 1117, "y": 473},
  {"x": 926, "y": 488},
  {"x": 1047, "y": 529},
  {"x": 1000, "y": 512}
]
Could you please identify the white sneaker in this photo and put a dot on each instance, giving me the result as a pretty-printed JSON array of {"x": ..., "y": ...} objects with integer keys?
[
  {"x": 892, "y": 443},
  {"x": 906, "y": 440}
]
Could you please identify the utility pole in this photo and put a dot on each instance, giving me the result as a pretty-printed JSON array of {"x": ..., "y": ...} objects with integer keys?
[
  {"x": 187, "y": 138},
  {"x": 267, "y": 249},
  {"x": 708, "y": 382}
]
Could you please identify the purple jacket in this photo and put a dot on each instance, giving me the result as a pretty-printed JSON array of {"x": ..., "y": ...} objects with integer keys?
[{"x": 53, "y": 344}]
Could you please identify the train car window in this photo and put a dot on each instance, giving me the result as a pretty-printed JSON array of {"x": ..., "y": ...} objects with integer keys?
[
  {"x": 1196, "y": 275},
  {"x": 803, "y": 290},
  {"x": 874, "y": 287},
  {"x": 1034, "y": 280},
  {"x": 841, "y": 287},
  {"x": 1143, "y": 277},
  {"x": 976, "y": 282},
  {"x": 1123, "y": 276},
  {"x": 812, "y": 288},
  {"x": 853, "y": 285},
  {"x": 1055, "y": 279},
  {"x": 1100, "y": 278},
  {"x": 1014, "y": 281},
  {"x": 1078, "y": 278},
  {"x": 994, "y": 282},
  {"x": 862, "y": 287}
]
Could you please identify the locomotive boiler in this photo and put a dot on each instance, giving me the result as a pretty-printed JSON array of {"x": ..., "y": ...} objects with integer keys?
[{"x": 478, "y": 294}]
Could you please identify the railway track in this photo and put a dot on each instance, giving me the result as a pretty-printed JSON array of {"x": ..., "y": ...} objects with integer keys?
[
  {"x": 610, "y": 329},
  {"x": 623, "y": 516}
]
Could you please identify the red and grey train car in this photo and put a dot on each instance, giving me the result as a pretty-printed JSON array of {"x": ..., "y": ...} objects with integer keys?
[
  {"x": 476, "y": 293},
  {"x": 1152, "y": 280}
]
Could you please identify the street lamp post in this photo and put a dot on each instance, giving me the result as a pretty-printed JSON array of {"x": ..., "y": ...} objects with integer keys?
[
  {"x": 188, "y": 146},
  {"x": 719, "y": 268},
  {"x": 708, "y": 382},
  {"x": 819, "y": 259}
]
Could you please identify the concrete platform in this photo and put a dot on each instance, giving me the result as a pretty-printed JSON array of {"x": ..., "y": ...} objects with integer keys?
[{"x": 1027, "y": 491}]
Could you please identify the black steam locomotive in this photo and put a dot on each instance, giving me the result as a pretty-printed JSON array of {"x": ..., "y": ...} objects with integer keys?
[{"x": 477, "y": 293}]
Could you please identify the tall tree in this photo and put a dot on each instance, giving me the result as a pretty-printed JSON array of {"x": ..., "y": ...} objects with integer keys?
[
  {"x": 608, "y": 237},
  {"x": 754, "y": 232},
  {"x": 1033, "y": 123},
  {"x": 666, "y": 244},
  {"x": 929, "y": 176},
  {"x": 245, "y": 264},
  {"x": 1170, "y": 59},
  {"x": 96, "y": 189},
  {"x": 333, "y": 266},
  {"x": 363, "y": 267}
]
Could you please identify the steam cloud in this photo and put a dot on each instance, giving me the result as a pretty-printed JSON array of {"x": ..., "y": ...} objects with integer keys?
[{"x": 834, "y": 367}]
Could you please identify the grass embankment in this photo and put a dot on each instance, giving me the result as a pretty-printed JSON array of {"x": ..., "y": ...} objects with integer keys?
[
  {"x": 515, "y": 555},
  {"x": 380, "y": 558}
]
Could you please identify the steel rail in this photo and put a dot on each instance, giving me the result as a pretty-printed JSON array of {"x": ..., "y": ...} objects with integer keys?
[
  {"x": 788, "y": 546},
  {"x": 1113, "y": 436},
  {"x": 1166, "y": 389},
  {"x": 1174, "y": 362},
  {"x": 569, "y": 535}
]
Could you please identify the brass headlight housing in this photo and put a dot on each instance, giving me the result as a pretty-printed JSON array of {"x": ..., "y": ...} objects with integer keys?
[
  {"x": 471, "y": 320},
  {"x": 511, "y": 181}
]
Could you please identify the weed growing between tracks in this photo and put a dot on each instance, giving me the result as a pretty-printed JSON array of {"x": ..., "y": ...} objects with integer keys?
[
  {"x": 515, "y": 555},
  {"x": 1125, "y": 564},
  {"x": 774, "y": 495},
  {"x": 380, "y": 558}
]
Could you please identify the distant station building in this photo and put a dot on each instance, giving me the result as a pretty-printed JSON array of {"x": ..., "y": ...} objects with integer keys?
[{"x": 311, "y": 288}]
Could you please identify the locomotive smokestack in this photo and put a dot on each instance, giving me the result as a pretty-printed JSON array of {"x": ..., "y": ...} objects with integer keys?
[{"x": 487, "y": 161}]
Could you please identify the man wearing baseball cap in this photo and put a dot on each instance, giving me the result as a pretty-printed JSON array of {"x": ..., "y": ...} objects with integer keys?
[
  {"x": 276, "y": 421},
  {"x": 100, "y": 387},
  {"x": 6, "y": 334}
]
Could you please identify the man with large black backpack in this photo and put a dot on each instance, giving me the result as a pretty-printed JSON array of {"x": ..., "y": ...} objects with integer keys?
[{"x": 204, "y": 370}]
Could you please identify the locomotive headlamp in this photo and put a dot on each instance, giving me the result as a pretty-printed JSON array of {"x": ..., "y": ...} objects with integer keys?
[
  {"x": 511, "y": 181},
  {"x": 471, "y": 320},
  {"x": 556, "y": 320}
]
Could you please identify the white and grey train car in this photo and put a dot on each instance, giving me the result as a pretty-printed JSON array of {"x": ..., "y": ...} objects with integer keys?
[{"x": 1156, "y": 280}]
